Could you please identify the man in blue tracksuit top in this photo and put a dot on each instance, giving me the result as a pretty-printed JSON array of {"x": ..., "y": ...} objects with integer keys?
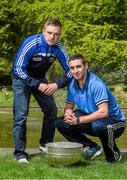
[
  {"x": 98, "y": 113},
  {"x": 33, "y": 59}
]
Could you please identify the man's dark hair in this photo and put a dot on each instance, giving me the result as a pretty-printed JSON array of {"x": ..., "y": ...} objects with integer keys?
[
  {"x": 78, "y": 56},
  {"x": 52, "y": 21}
]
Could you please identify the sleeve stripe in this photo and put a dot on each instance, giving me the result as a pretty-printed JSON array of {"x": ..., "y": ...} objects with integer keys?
[
  {"x": 21, "y": 58},
  {"x": 67, "y": 57},
  {"x": 69, "y": 102},
  {"x": 105, "y": 100}
]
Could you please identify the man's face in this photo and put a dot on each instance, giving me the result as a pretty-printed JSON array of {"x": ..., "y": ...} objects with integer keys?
[
  {"x": 78, "y": 69},
  {"x": 52, "y": 34}
]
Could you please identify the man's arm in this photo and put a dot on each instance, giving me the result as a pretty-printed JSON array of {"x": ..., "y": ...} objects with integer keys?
[
  {"x": 102, "y": 112},
  {"x": 63, "y": 57},
  {"x": 25, "y": 53},
  {"x": 68, "y": 112},
  {"x": 68, "y": 108}
]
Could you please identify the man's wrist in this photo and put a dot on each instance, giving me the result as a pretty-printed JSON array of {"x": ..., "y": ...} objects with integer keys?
[
  {"x": 78, "y": 120},
  {"x": 68, "y": 111}
]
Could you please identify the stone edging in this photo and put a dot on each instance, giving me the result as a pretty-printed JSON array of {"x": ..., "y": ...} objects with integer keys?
[{"x": 34, "y": 150}]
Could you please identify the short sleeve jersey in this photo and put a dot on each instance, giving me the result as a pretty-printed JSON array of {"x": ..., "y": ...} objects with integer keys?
[{"x": 94, "y": 92}]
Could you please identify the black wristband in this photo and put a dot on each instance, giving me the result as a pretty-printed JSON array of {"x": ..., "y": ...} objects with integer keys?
[{"x": 78, "y": 120}]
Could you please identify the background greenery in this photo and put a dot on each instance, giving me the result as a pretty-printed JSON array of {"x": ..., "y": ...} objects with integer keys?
[
  {"x": 96, "y": 28},
  {"x": 119, "y": 91}
]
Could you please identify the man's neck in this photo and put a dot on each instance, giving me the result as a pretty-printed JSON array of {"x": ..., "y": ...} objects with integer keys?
[{"x": 82, "y": 82}]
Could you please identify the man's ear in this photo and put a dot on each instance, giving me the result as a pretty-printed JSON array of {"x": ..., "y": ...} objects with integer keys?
[
  {"x": 86, "y": 66},
  {"x": 43, "y": 30}
]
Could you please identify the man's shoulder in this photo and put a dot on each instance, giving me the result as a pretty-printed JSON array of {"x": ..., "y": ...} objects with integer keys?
[
  {"x": 59, "y": 43},
  {"x": 95, "y": 78},
  {"x": 95, "y": 81},
  {"x": 32, "y": 37},
  {"x": 60, "y": 46},
  {"x": 71, "y": 83},
  {"x": 61, "y": 51}
]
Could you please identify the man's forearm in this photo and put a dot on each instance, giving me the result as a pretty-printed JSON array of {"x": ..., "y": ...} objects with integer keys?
[{"x": 68, "y": 107}]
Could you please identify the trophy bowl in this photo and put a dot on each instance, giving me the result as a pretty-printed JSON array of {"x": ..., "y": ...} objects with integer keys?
[{"x": 63, "y": 153}]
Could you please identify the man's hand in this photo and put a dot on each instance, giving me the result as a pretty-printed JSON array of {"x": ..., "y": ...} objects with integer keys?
[
  {"x": 51, "y": 88},
  {"x": 70, "y": 117},
  {"x": 68, "y": 112},
  {"x": 48, "y": 89},
  {"x": 43, "y": 87}
]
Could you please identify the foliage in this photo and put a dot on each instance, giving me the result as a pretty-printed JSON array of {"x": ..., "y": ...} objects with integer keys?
[
  {"x": 96, "y": 28},
  {"x": 119, "y": 91},
  {"x": 4, "y": 67}
]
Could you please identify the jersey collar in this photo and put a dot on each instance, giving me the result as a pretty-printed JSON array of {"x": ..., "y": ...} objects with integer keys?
[{"x": 86, "y": 81}]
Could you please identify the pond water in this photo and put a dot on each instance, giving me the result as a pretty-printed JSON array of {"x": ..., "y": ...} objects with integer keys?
[{"x": 34, "y": 123}]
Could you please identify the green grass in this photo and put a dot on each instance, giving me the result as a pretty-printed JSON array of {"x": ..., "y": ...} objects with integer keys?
[{"x": 38, "y": 168}]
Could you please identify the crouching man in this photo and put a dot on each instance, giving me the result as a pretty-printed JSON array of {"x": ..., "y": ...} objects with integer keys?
[{"x": 98, "y": 113}]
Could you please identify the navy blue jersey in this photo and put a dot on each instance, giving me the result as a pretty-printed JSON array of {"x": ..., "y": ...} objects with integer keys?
[{"x": 35, "y": 57}]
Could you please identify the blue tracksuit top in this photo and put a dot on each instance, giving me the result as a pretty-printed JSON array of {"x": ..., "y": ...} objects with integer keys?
[{"x": 35, "y": 57}]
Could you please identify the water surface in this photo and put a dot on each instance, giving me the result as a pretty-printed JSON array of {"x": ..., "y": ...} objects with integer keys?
[{"x": 34, "y": 124}]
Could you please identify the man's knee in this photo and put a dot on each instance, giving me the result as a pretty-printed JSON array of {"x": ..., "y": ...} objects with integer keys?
[
  {"x": 50, "y": 112},
  {"x": 98, "y": 128},
  {"x": 59, "y": 121}
]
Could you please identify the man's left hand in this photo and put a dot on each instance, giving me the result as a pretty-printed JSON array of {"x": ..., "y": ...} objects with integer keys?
[{"x": 52, "y": 87}]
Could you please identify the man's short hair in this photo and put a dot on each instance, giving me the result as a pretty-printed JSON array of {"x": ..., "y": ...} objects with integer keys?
[
  {"x": 78, "y": 56},
  {"x": 52, "y": 21}
]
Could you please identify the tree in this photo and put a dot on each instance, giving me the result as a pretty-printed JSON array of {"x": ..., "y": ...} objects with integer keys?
[{"x": 96, "y": 28}]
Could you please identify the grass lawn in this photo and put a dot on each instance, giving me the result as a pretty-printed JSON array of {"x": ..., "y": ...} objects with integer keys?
[{"x": 38, "y": 168}]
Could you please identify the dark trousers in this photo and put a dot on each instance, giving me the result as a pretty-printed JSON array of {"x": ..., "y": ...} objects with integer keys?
[
  {"x": 107, "y": 130},
  {"x": 22, "y": 94}
]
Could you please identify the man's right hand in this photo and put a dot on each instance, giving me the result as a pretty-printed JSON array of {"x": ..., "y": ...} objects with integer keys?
[
  {"x": 69, "y": 117},
  {"x": 68, "y": 112}
]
